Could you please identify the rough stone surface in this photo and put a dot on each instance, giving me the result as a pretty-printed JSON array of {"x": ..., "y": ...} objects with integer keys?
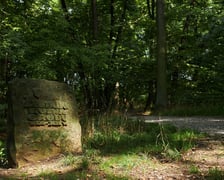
[{"x": 42, "y": 121}]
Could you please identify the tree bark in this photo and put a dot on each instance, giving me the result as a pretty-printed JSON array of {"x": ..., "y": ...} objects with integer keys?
[{"x": 161, "y": 91}]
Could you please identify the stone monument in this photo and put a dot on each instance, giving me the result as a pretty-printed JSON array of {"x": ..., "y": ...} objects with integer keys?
[{"x": 42, "y": 121}]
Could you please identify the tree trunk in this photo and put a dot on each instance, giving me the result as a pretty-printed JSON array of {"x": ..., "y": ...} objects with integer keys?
[
  {"x": 161, "y": 91},
  {"x": 94, "y": 20},
  {"x": 120, "y": 28},
  {"x": 112, "y": 21},
  {"x": 151, "y": 8}
]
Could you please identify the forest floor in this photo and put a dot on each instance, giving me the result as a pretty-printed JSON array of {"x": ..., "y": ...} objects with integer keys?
[{"x": 205, "y": 158}]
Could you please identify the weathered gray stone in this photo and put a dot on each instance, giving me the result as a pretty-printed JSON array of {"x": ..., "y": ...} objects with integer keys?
[{"x": 42, "y": 121}]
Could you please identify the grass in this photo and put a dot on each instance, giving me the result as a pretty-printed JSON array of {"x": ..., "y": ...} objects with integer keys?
[
  {"x": 80, "y": 175},
  {"x": 124, "y": 163},
  {"x": 148, "y": 138},
  {"x": 193, "y": 169},
  {"x": 119, "y": 145},
  {"x": 215, "y": 174},
  {"x": 125, "y": 145},
  {"x": 70, "y": 159}
]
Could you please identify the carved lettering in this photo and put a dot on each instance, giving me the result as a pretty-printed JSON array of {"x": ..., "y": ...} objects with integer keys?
[{"x": 45, "y": 113}]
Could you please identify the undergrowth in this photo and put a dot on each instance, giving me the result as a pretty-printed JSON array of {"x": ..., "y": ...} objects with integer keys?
[
  {"x": 3, "y": 158},
  {"x": 120, "y": 145},
  {"x": 215, "y": 174},
  {"x": 121, "y": 136}
]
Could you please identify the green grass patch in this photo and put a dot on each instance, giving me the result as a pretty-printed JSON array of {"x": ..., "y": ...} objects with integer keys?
[
  {"x": 149, "y": 138},
  {"x": 70, "y": 159},
  {"x": 124, "y": 163},
  {"x": 194, "y": 169},
  {"x": 215, "y": 174}
]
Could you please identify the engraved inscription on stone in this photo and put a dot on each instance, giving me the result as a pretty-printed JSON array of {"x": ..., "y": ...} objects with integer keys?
[
  {"x": 43, "y": 122},
  {"x": 45, "y": 113}
]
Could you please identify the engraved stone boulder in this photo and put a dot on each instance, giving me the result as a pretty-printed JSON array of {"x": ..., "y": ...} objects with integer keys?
[{"x": 42, "y": 121}]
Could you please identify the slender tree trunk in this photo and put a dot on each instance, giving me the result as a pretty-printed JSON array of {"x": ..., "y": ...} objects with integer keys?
[
  {"x": 94, "y": 20},
  {"x": 112, "y": 21},
  {"x": 65, "y": 9},
  {"x": 151, "y": 91},
  {"x": 151, "y": 8},
  {"x": 120, "y": 28},
  {"x": 109, "y": 90},
  {"x": 161, "y": 91}
]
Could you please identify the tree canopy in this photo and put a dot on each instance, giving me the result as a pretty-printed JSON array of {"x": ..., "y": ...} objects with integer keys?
[{"x": 107, "y": 50}]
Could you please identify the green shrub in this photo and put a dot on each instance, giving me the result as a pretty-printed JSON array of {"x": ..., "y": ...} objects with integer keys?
[{"x": 3, "y": 158}]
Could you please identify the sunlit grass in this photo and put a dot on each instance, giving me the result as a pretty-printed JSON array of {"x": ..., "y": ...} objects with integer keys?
[
  {"x": 70, "y": 159},
  {"x": 124, "y": 163},
  {"x": 141, "y": 137}
]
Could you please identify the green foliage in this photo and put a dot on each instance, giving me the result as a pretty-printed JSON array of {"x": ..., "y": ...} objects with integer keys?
[
  {"x": 85, "y": 163},
  {"x": 194, "y": 169},
  {"x": 70, "y": 159},
  {"x": 215, "y": 174},
  {"x": 3, "y": 159},
  {"x": 62, "y": 48}
]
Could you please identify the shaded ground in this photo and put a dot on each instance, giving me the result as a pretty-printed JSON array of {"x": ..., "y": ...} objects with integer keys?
[{"x": 196, "y": 163}]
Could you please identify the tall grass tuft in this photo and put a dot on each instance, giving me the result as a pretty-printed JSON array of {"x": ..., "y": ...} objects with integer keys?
[
  {"x": 120, "y": 135},
  {"x": 215, "y": 174}
]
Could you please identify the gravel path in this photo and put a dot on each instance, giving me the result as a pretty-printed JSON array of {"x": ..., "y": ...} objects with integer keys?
[{"x": 210, "y": 125}]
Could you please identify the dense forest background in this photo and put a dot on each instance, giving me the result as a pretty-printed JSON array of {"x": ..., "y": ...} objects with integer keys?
[{"x": 107, "y": 51}]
